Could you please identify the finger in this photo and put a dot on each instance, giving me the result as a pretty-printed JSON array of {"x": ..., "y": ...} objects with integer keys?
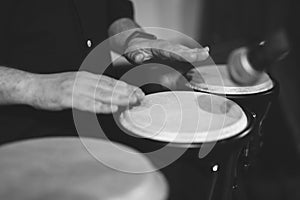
[
  {"x": 191, "y": 55},
  {"x": 105, "y": 109},
  {"x": 119, "y": 87},
  {"x": 167, "y": 53},
  {"x": 100, "y": 107},
  {"x": 139, "y": 56},
  {"x": 95, "y": 79},
  {"x": 111, "y": 97},
  {"x": 139, "y": 93},
  {"x": 110, "y": 91},
  {"x": 122, "y": 89},
  {"x": 119, "y": 92},
  {"x": 182, "y": 53},
  {"x": 195, "y": 55},
  {"x": 91, "y": 105}
]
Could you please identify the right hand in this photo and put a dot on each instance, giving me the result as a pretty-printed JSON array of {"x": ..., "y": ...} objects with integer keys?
[
  {"x": 141, "y": 50},
  {"x": 83, "y": 91}
]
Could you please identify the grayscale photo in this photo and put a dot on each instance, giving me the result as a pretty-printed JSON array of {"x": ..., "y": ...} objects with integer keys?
[{"x": 149, "y": 100}]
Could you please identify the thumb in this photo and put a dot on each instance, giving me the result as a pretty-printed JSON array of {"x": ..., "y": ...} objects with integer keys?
[{"x": 139, "y": 56}]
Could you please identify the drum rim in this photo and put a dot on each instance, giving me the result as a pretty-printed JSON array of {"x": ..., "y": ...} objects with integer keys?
[
  {"x": 198, "y": 89},
  {"x": 272, "y": 91},
  {"x": 250, "y": 116}
]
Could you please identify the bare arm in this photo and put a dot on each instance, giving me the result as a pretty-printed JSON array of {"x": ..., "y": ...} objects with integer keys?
[
  {"x": 14, "y": 86},
  {"x": 80, "y": 90}
]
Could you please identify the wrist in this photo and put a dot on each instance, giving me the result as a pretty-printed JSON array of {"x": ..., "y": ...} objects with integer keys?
[{"x": 29, "y": 88}]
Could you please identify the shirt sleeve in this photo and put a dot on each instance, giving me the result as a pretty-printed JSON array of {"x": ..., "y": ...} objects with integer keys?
[{"x": 120, "y": 9}]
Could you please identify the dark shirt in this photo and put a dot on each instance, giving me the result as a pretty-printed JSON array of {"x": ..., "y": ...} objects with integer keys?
[{"x": 48, "y": 36}]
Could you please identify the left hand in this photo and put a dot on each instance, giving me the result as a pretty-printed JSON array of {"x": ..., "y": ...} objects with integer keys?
[{"x": 141, "y": 50}]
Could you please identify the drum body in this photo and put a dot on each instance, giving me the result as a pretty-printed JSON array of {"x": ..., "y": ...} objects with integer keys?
[
  {"x": 214, "y": 172},
  {"x": 257, "y": 99},
  {"x": 69, "y": 168},
  {"x": 213, "y": 177}
]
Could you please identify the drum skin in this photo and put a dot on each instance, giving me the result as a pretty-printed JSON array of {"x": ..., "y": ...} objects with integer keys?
[
  {"x": 184, "y": 117},
  {"x": 63, "y": 169}
]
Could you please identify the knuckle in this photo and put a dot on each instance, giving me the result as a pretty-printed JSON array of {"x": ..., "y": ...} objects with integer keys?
[{"x": 85, "y": 104}]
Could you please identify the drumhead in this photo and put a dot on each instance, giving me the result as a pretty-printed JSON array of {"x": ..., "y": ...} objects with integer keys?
[
  {"x": 185, "y": 117},
  {"x": 65, "y": 169},
  {"x": 216, "y": 79}
]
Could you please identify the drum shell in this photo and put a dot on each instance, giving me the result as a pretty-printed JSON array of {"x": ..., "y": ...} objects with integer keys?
[
  {"x": 259, "y": 104},
  {"x": 224, "y": 154}
]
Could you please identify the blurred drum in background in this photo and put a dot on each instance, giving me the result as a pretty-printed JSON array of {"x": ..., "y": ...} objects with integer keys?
[
  {"x": 205, "y": 131},
  {"x": 64, "y": 169},
  {"x": 257, "y": 98}
]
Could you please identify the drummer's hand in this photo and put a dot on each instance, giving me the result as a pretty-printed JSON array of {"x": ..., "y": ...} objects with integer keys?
[
  {"x": 83, "y": 91},
  {"x": 140, "y": 50}
]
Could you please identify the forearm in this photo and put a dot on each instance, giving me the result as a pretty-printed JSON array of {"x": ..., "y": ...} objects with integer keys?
[
  {"x": 15, "y": 86},
  {"x": 121, "y": 30}
]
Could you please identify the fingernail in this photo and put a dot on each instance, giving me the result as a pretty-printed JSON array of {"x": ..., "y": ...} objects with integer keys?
[
  {"x": 133, "y": 99},
  {"x": 205, "y": 53},
  {"x": 139, "y": 58},
  {"x": 139, "y": 93},
  {"x": 206, "y": 48},
  {"x": 114, "y": 108}
]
